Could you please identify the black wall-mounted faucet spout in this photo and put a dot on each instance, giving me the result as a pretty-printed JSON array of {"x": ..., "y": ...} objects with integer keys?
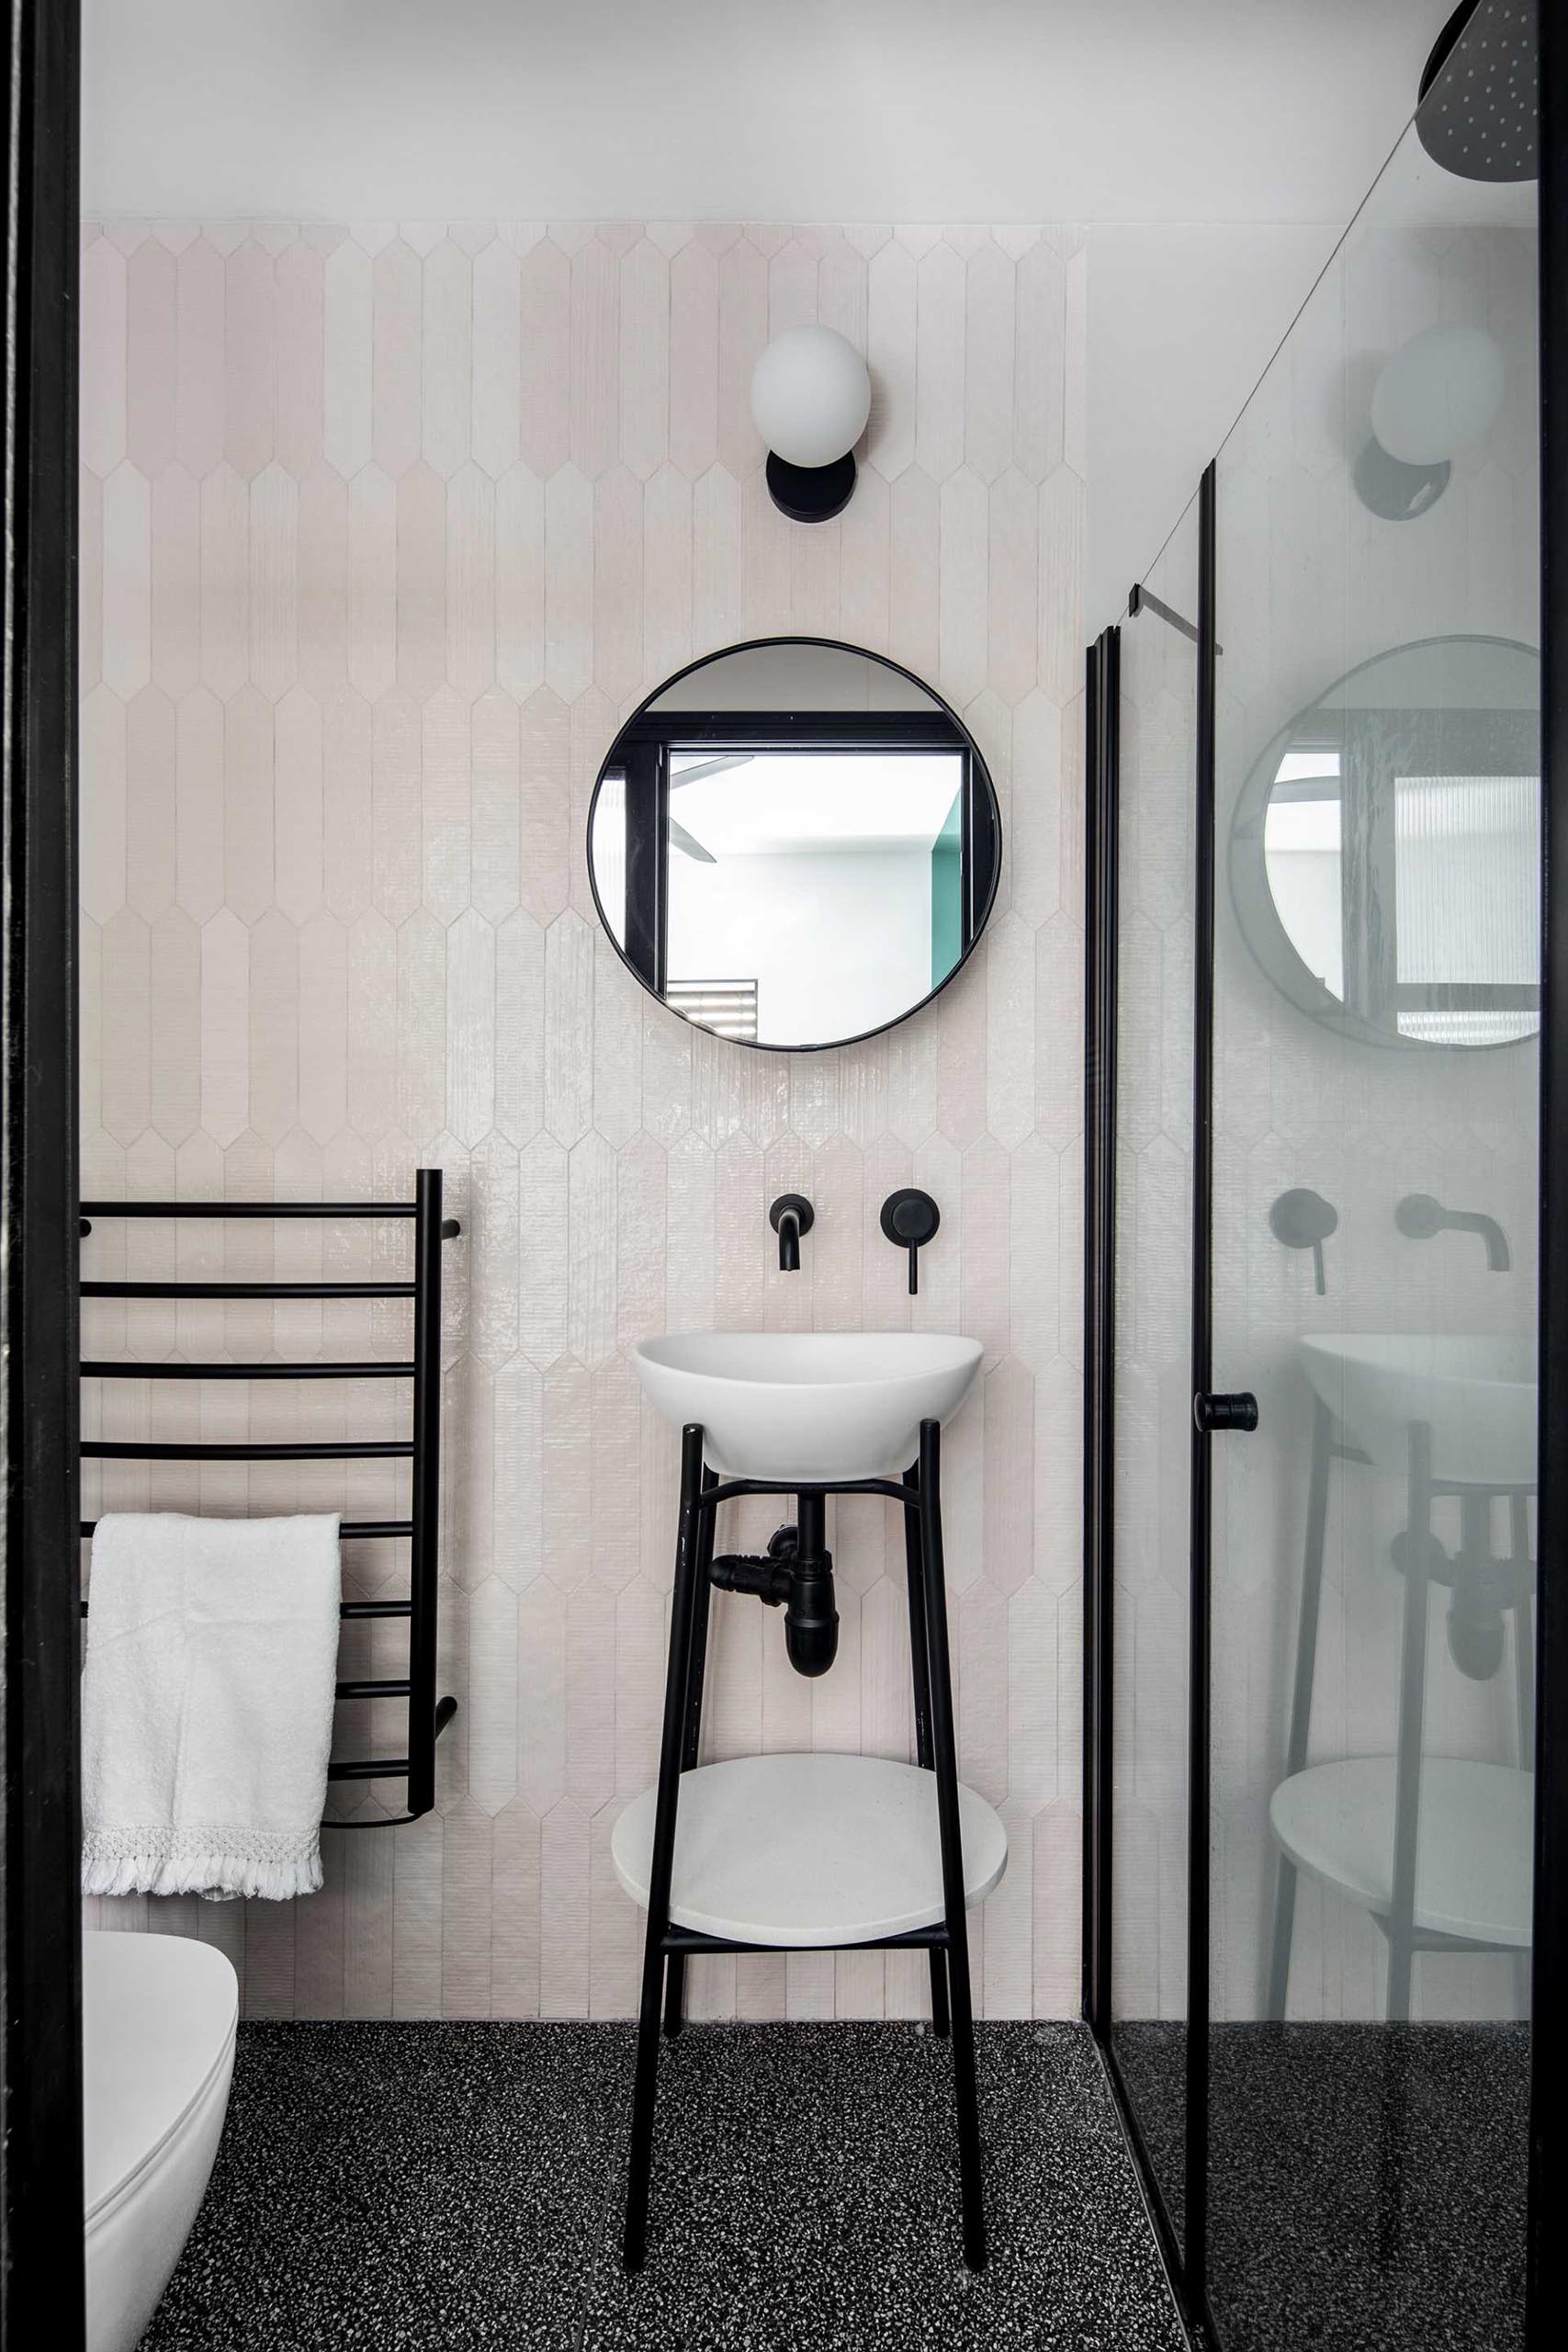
[
  {"x": 1419, "y": 1217},
  {"x": 790, "y": 1215}
]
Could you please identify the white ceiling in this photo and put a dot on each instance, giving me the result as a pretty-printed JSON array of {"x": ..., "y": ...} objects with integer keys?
[{"x": 1089, "y": 110}]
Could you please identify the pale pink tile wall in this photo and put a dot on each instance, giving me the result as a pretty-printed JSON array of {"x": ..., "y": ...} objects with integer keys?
[{"x": 385, "y": 529}]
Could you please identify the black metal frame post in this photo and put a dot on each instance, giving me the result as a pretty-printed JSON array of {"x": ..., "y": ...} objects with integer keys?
[
  {"x": 424, "y": 1499},
  {"x": 667, "y": 1948},
  {"x": 1547, "y": 2253},
  {"x": 41, "y": 2086},
  {"x": 1101, "y": 863},
  {"x": 1196, "y": 2188}
]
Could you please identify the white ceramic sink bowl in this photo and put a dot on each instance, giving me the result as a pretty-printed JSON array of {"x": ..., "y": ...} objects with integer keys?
[
  {"x": 1477, "y": 1395},
  {"x": 808, "y": 1405}
]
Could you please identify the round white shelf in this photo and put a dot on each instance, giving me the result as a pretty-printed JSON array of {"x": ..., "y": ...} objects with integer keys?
[
  {"x": 1474, "y": 1841},
  {"x": 808, "y": 1850}
]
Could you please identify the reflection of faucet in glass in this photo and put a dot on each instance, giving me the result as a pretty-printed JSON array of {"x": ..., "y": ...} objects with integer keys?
[
  {"x": 1303, "y": 1220},
  {"x": 1419, "y": 1217}
]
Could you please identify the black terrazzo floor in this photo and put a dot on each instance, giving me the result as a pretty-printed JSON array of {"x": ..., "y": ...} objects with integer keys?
[
  {"x": 1366, "y": 2182},
  {"x": 391, "y": 2185}
]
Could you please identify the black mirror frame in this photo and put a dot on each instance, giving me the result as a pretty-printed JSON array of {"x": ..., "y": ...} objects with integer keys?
[
  {"x": 1257, "y": 918},
  {"x": 983, "y": 784}
]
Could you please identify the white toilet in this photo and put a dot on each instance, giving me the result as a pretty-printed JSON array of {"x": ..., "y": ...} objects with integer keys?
[{"x": 158, "y": 2016}]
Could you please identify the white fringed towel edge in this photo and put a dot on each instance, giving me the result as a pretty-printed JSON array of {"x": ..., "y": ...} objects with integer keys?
[{"x": 206, "y": 1705}]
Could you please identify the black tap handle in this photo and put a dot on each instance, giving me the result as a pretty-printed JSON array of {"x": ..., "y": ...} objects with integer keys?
[{"x": 909, "y": 1219}]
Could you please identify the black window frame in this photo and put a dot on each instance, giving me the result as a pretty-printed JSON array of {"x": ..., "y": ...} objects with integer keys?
[{"x": 41, "y": 2249}]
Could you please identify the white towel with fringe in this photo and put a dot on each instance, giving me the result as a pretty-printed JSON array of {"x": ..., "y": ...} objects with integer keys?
[{"x": 206, "y": 1705}]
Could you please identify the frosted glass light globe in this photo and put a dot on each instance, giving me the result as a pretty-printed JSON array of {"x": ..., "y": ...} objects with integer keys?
[
  {"x": 810, "y": 396},
  {"x": 1437, "y": 393}
]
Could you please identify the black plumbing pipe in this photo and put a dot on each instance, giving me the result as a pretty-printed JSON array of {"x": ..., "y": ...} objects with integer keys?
[
  {"x": 797, "y": 1575},
  {"x": 811, "y": 1620}
]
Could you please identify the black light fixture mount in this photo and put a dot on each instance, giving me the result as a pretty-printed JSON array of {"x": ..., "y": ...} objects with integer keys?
[{"x": 811, "y": 493}]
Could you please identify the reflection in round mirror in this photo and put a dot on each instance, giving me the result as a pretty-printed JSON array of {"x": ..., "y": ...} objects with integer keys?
[
  {"x": 793, "y": 843},
  {"x": 1385, "y": 853}
]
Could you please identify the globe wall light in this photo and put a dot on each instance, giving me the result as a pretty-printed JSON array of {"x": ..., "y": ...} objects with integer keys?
[{"x": 810, "y": 398}]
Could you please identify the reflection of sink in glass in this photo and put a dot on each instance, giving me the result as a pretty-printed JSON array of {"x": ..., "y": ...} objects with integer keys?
[
  {"x": 1477, "y": 1395},
  {"x": 1472, "y": 1871}
]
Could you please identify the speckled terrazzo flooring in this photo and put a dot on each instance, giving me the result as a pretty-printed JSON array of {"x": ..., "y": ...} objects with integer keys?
[
  {"x": 384, "y": 2185},
  {"x": 1366, "y": 2182}
]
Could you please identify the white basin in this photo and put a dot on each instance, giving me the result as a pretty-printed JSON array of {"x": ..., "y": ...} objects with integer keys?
[
  {"x": 1476, "y": 1394},
  {"x": 808, "y": 1405}
]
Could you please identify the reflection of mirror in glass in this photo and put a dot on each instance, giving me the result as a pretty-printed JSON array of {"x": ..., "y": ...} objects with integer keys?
[
  {"x": 1399, "y": 820},
  {"x": 794, "y": 845}
]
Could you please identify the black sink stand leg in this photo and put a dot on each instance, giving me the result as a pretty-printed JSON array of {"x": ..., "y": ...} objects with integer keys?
[
  {"x": 945, "y": 1762},
  {"x": 672, "y": 1748},
  {"x": 675, "y": 1965},
  {"x": 919, "y": 1658}
]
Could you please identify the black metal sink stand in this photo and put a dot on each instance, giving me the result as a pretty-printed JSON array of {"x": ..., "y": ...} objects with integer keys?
[{"x": 667, "y": 1948}]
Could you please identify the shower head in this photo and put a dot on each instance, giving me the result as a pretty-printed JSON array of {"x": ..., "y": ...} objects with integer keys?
[{"x": 1476, "y": 110}]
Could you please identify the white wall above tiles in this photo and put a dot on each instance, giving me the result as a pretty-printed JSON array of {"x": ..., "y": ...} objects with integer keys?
[
  {"x": 1241, "y": 110},
  {"x": 384, "y": 533}
]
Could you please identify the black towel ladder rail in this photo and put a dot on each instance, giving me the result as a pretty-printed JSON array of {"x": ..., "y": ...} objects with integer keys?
[{"x": 427, "y": 1715}]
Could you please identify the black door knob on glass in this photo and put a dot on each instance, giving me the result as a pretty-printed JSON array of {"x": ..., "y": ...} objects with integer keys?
[
  {"x": 909, "y": 1219},
  {"x": 1214, "y": 1414}
]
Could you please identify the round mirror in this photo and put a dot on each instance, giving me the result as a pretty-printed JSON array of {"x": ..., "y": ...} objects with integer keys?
[
  {"x": 793, "y": 843},
  {"x": 1385, "y": 855}
]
